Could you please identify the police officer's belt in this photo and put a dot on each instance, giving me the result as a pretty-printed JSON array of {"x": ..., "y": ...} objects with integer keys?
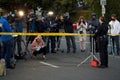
[{"x": 104, "y": 36}]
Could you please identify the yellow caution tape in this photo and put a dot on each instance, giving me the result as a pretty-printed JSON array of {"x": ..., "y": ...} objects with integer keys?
[
  {"x": 48, "y": 34},
  {"x": 44, "y": 34}
]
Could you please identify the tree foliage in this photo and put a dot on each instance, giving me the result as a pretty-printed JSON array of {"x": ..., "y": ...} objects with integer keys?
[
  {"x": 111, "y": 7},
  {"x": 58, "y": 6},
  {"x": 61, "y": 6}
]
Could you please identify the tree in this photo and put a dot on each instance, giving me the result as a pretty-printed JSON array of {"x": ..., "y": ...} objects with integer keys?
[
  {"x": 113, "y": 6},
  {"x": 59, "y": 6}
]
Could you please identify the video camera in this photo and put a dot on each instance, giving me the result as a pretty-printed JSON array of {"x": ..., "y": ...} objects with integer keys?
[{"x": 91, "y": 28}]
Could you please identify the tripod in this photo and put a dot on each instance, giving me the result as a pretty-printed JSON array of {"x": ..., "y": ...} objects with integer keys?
[{"x": 92, "y": 56}]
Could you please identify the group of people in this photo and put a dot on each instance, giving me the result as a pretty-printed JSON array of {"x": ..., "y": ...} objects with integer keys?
[
  {"x": 40, "y": 44},
  {"x": 100, "y": 28}
]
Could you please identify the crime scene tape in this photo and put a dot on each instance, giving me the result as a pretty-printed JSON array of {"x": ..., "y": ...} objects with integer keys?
[
  {"x": 44, "y": 34},
  {"x": 49, "y": 34}
]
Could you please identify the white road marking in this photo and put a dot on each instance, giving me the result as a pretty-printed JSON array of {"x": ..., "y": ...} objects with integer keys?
[{"x": 48, "y": 64}]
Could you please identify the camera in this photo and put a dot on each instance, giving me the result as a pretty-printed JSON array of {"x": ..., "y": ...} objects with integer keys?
[{"x": 81, "y": 32}]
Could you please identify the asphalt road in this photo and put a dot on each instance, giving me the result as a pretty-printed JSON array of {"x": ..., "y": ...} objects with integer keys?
[{"x": 63, "y": 66}]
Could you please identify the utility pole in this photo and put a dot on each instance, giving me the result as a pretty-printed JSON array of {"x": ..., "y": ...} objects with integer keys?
[{"x": 103, "y": 3}]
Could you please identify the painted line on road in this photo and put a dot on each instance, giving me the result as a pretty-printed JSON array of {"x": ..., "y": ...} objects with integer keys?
[{"x": 48, "y": 64}]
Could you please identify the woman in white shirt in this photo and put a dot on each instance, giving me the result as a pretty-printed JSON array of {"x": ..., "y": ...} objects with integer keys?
[{"x": 82, "y": 26}]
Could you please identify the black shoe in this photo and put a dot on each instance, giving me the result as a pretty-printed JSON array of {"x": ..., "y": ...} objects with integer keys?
[
  {"x": 74, "y": 51},
  {"x": 34, "y": 54},
  {"x": 68, "y": 51},
  {"x": 11, "y": 67},
  {"x": 19, "y": 57},
  {"x": 53, "y": 51},
  {"x": 118, "y": 54},
  {"x": 102, "y": 66},
  {"x": 110, "y": 53},
  {"x": 82, "y": 50}
]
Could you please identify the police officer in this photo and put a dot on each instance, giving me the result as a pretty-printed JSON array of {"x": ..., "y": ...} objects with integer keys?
[{"x": 101, "y": 33}]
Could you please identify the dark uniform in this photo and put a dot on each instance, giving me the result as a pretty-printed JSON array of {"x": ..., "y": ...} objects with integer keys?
[{"x": 101, "y": 33}]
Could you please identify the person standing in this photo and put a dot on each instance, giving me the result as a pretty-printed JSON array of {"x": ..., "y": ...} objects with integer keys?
[
  {"x": 114, "y": 30},
  {"x": 0, "y": 40},
  {"x": 92, "y": 26},
  {"x": 7, "y": 40},
  {"x": 52, "y": 26},
  {"x": 82, "y": 26},
  {"x": 19, "y": 28},
  {"x": 101, "y": 33},
  {"x": 68, "y": 29}
]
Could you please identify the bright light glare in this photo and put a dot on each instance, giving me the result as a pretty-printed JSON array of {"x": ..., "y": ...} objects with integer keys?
[
  {"x": 50, "y": 13},
  {"x": 21, "y": 13}
]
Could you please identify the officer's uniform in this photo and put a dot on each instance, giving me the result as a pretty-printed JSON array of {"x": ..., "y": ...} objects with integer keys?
[{"x": 101, "y": 33}]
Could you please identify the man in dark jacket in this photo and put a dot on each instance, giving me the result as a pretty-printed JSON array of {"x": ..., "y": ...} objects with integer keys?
[
  {"x": 92, "y": 26},
  {"x": 68, "y": 29}
]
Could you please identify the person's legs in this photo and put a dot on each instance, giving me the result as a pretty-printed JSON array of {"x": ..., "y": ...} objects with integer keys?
[
  {"x": 0, "y": 50},
  {"x": 58, "y": 41},
  {"x": 90, "y": 43},
  {"x": 19, "y": 45},
  {"x": 101, "y": 50},
  {"x": 68, "y": 43},
  {"x": 35, "y": 53},
  {"x": 9, "y": 53},
  {"x": 106, "y": 56},
  {"x": 96, "y": 45},
  {"x": 84, "y": 45},
  {"x": 105, "y": 52},
  {"x": 81, "y": 45},
  {"x": 117, "y": 44},
  {"x": 43, "y": 50},
  {"x": 113, "y": 43},
  {"x": 48, "y": 44},
  {"x": 73, "y": 43},
  {"x": 53, "y": 44},
  {"x": 4, "y": 46}
]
